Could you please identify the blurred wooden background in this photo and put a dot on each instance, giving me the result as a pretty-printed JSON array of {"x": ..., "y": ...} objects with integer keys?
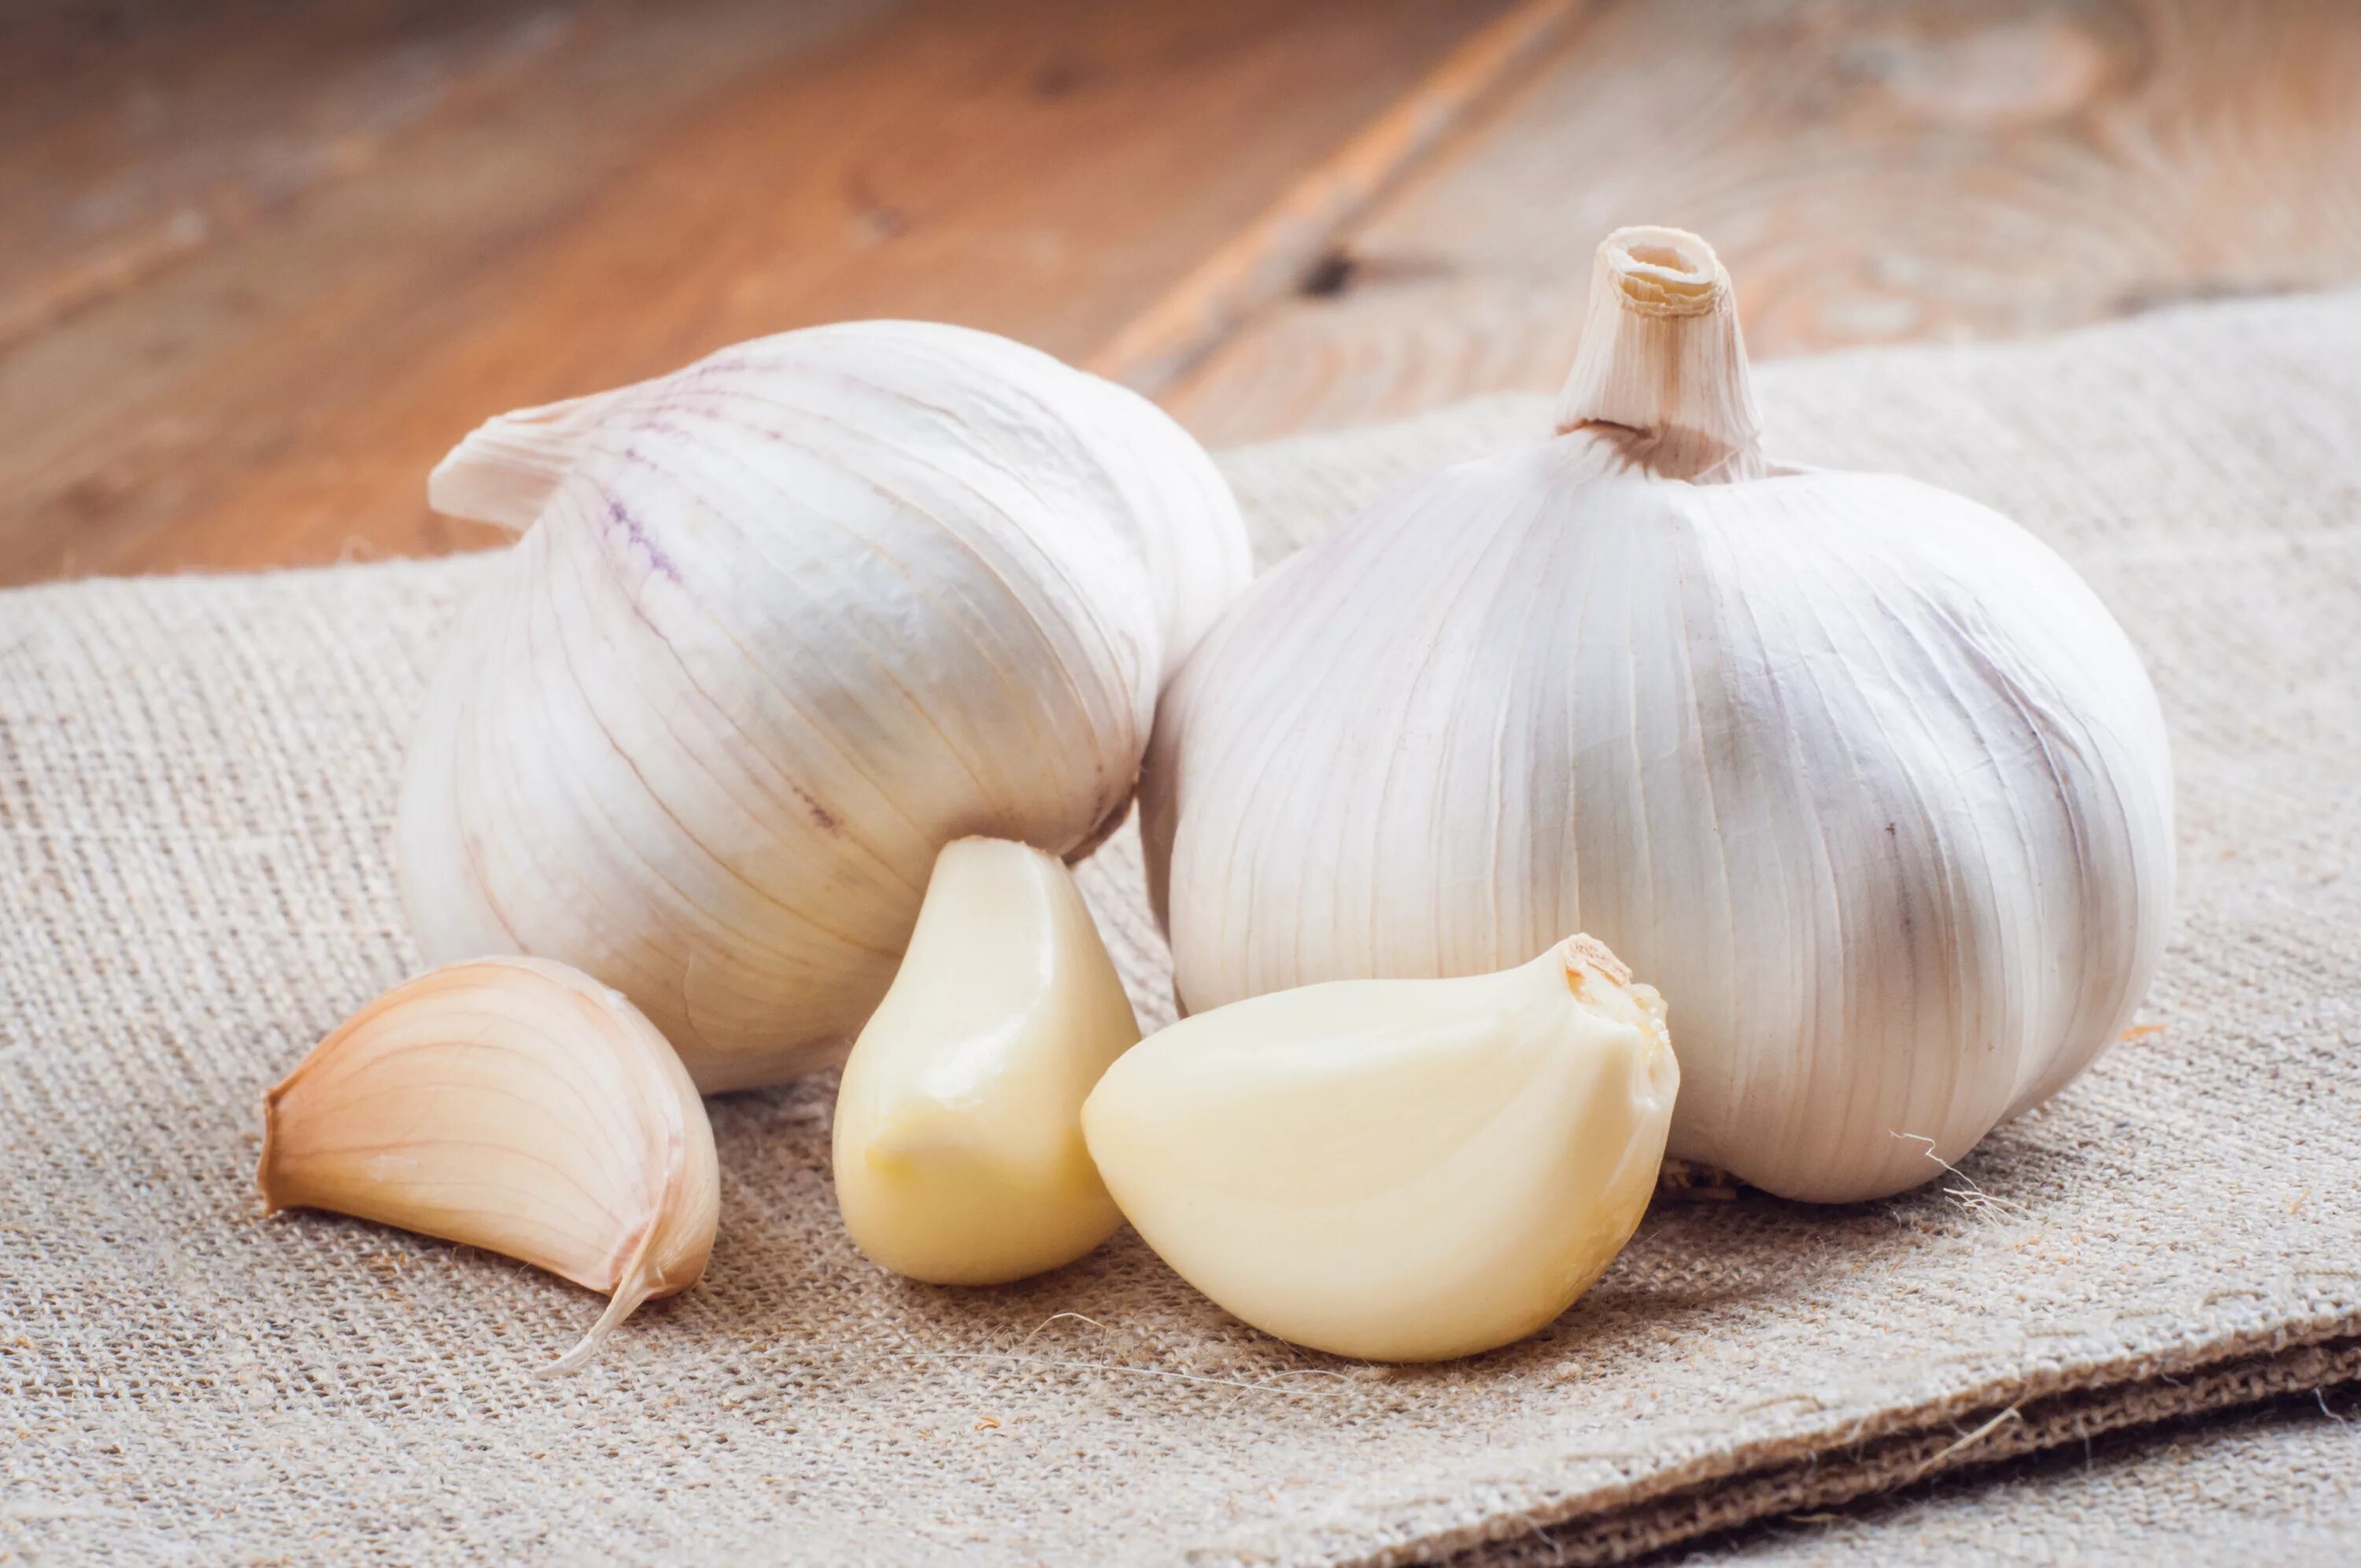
[{"x": 262, "y": 261}]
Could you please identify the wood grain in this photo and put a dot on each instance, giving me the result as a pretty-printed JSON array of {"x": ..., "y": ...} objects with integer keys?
[
  {"x": 1273, "y": 254},
  {"x": 136, "y": 138},
  {"x": 236, "y": 215},
  {"x": 1870, "y": 170},
  {"x": 262, "y": 260},
  {"x": 596, "y": 204}
]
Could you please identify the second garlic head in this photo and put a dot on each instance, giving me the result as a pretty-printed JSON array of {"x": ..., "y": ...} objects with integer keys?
[{"x": 958, "y": 1140}]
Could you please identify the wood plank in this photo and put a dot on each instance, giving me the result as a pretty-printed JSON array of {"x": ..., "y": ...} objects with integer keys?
[
  {"x": 1045, "y": 167},
  {"x": 137, "y": 138},
  {"x": 1271, "y": 255},
  {"x": 1871, "y": 170},
  {"x": 147, "y": 380}
]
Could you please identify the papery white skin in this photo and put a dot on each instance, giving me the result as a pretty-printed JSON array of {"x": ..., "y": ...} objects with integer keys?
[
  {"x": 513, "y": 1104},
  {"x": 783, "y": 625},
  {"x": 1859, "y": 774}
]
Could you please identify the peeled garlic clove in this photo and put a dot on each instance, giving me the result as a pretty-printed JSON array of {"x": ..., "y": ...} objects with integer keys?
[
  {"x": 1858, "y": 771},
  {"x": 1399, "y": 1170},
  {"x": 779, "y": 627},
  {"x": 513, "y": 1104},
  {"x": 959, "y": 1140}
]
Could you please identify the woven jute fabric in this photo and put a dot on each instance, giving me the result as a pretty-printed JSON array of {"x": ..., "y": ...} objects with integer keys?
[
  {"x": 197, "y": 778},
  {"x": 2270, "y": 1484}
]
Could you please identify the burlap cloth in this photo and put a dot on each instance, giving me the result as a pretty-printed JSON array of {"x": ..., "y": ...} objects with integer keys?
[
  {"x": 2263, "y": 1486},
  {"x": 197, "y": 779}
]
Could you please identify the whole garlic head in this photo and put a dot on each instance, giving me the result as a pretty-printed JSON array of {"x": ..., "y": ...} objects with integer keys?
[
  {"x": 1859, "y": 773},
  {"x": 782, "y": 625}
]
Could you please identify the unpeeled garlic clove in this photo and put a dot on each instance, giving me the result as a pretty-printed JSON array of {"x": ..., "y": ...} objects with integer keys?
[
  {"x": 1398, "y": 1170},
  {"x": 513, "y": 1104},
  {"x": 958, "y": 1139}
]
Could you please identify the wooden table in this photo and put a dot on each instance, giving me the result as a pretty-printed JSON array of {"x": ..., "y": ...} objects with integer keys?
[{"x": 262, "y": 263}]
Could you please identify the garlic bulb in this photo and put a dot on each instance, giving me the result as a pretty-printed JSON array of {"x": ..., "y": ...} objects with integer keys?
[
  {"x": 512, "y": 1105},
  {"x": 958, "y": 1136},
  {"x": 783, "y": 624},
  {"x": 1857, "y": 772},
  {"x": 1402, "y": 1171}
]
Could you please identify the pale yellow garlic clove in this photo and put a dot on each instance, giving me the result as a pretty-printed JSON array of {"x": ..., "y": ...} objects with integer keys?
[
  {"x": 958, "y": 1139},
  {"x": 513, "y": 1104},
  {"x": 1398, "y": 1170}
]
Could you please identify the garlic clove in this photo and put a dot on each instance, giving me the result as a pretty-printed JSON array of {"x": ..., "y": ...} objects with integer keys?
[
  {"x": 1398, "y": 1170},
  {"x": 958, "y": 1139},
  {"x": 513, "y": 1104}
]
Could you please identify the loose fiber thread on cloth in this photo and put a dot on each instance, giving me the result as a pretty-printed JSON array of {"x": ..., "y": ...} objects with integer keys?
[{"x": 196, "y": 786}]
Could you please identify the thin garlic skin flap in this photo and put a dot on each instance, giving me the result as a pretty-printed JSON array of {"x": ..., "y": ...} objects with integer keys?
[
  {"x": 780, "y": 627},
  {"x": 1860, "y": 773}
]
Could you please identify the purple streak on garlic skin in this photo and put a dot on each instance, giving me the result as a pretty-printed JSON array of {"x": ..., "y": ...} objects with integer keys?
[{"x": 642, "y": 539}]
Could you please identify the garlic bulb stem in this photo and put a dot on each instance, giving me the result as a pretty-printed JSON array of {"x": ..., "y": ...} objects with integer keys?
[{"x": 1661, "y": 355}]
